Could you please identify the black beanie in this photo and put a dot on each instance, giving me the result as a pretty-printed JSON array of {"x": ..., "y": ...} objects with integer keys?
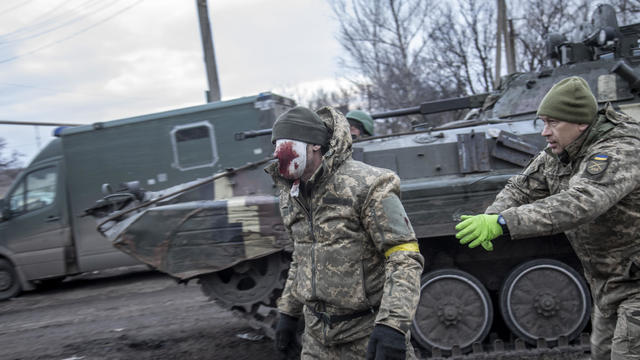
[{"x": 300, "y": 124}]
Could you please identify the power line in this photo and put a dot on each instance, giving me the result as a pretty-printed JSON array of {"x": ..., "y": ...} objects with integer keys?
[
  {"x": 54, "y": 27},
  {"x": 44, "y": 14},
  {"x": 40, "y": 123},
  {"x": 12, "y": 58},
  {"x": 37, "y": 23}
]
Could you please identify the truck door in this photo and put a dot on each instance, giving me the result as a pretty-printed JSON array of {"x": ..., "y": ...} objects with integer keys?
[{"x": 37, "y": 230}]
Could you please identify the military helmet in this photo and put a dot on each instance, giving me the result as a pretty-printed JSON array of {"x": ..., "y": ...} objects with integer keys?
[{"x": 362, "y": 117}]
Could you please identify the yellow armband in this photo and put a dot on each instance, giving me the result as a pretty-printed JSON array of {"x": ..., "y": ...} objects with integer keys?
[{"x": 410, "y": 246}]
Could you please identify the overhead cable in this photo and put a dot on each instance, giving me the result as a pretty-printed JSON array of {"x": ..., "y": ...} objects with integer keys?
[{"x": 50, "y": 44}]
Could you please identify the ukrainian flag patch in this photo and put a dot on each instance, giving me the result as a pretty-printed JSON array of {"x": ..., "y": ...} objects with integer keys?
[{"x": 597, "y": 164}]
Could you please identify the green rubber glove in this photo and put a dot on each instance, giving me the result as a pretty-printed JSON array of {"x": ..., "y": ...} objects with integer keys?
[{"x": 478, "y": 230}]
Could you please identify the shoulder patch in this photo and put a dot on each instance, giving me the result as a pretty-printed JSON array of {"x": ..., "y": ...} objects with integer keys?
[
  {"x": 597, "y": 164},
  {"x": 395, "y": 216}
]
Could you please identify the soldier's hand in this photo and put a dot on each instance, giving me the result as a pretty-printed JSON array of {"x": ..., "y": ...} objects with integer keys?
[
  {"x": 286, "y": 333},
  {"x": 386, "y": 343},
  {"x": 478, "y": 230}
]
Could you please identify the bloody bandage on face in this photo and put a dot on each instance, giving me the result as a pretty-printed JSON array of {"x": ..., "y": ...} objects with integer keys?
[{"x": 292, "y": 158}]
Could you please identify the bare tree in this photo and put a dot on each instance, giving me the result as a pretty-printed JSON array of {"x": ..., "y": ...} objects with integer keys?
[
  {"x": 342, "y": 98},
  {"x": 411, "y": 51},
  {"x": 628, "y": 10},
  {"x": 402, "y": 53},
  {"x": 385, "y": 46},
  {"x": 535, "y": 20},
  {"x": 10, "y": 161},
  {"x": 463, "y": 46}
]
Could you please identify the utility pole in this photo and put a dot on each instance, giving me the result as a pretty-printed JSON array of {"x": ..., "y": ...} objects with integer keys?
[
  {"x": 507, "y": 35},
  {"x": 504, "y": 34},
  {"x": 511, "y": 49},
  {"x": 496, "y": 79},
  {"x": 213, "y": 94}
]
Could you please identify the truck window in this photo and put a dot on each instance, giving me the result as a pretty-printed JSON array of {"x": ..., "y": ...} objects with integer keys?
[
  {"x": 17, "y": 199},
  {"x": 194, "y": 145},
  {"x": 36, "y": 190}
]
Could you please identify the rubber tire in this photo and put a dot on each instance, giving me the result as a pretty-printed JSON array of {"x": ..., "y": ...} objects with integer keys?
[
  {"x": 533, "y": 263},
  {"x": 15, "y": 288}
]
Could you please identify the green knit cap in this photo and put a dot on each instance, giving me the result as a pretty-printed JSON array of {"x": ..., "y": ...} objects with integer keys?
[
  {"x": 300, "y": 124},
  {"x": 570, "y": 100}
]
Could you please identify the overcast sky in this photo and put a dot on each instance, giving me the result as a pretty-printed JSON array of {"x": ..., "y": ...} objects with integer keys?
[{"x": 83, "y": 61}]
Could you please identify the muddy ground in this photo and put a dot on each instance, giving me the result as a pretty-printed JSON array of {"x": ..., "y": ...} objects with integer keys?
[
  {"x": 127, "y": 315},
  {"x": 141, "y": 314}
]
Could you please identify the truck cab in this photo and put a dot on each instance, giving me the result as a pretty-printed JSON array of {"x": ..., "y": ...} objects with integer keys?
[{"x": 35, "y": 234}]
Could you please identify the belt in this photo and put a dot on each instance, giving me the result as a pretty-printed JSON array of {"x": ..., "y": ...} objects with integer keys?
[{"x": 330, "y": 320}]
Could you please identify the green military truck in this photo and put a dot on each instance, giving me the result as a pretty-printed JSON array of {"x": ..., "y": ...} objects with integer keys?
[{"x": 44, "y": 238}]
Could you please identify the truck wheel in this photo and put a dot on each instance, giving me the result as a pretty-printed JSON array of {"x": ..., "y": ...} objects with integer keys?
[
  {"x": 454, "y": 310},
  {"x": 545, "y": 299},
  {"x": 9, "y": 282}
]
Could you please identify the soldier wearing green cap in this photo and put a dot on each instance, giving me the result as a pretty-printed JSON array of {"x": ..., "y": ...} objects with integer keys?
[
  {"x": 356, "y": 265},
  {"x": 586, "y": 183},
  {"x": 360, "y": 123}
]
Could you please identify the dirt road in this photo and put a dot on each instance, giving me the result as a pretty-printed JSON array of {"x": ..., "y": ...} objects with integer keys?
[
  {"x": 132, "y": 315},
  {"x": 139, "y": 314}
]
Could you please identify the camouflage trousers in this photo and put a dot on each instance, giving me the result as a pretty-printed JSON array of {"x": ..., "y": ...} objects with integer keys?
[
  {"x": 617, "y": 336},
  {"x": 355, "y": 350}
]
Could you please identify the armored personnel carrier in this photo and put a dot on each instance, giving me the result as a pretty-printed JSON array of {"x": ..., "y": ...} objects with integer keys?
[{"x": 226, "y": 230}]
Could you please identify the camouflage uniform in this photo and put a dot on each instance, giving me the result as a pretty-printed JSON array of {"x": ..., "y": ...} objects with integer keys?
[
  {"x": 354, "y": 251},
  {"x": 593, "y": 196}
]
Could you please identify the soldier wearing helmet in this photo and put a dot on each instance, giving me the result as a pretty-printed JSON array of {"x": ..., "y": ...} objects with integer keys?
[{"x": 361, "y": 124}]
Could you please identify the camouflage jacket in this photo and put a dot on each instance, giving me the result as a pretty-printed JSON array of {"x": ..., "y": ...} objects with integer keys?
[
  {"x": 354, "y": 247},
  {"x": 593, "y": 196}
]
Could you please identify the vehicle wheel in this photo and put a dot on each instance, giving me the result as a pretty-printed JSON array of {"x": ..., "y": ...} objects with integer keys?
[
  {"x": 545, "y": 299},
  {"x": 248, "y": 284},
  {"x": 9, "y": 282},
  {"x": 454, "y": 310},
  {"x": 251, "y": 289}
]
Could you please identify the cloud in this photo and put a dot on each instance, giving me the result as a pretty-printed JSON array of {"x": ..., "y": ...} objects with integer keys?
[{"x": 149, "y": 58}]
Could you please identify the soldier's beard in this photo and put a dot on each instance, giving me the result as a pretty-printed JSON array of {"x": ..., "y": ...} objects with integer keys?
[{"x": 292, "y": 158}]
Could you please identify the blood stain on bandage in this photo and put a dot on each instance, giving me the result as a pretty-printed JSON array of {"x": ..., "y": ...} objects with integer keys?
[{"x": 285, "y": 155}]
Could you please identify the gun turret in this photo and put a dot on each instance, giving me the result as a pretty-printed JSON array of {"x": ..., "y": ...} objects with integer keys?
[
  {"x": 437, "y": 106},
  {"x": 429, "y": 107}
]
